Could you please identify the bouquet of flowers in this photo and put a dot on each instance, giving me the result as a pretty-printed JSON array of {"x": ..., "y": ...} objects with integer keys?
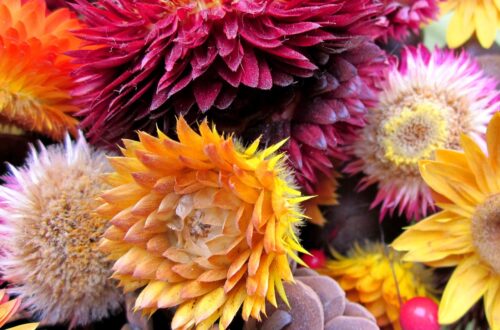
[{"x": 250, "y": 164}]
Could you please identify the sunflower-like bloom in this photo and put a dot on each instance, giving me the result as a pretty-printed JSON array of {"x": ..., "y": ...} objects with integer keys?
[
  {"x": 50, "y": 235},
  {"x": 405, "y": 16},
  {"x": 155, "y": 56},
  {"x": 202, "y": 223},
  {"x": 425, "y": 105},
  {"x": 466, "y": 233},
  {"x": 368, "y": 274},
  {"x": 481, "y": 17},
  {"x": 35, "y": 80}
]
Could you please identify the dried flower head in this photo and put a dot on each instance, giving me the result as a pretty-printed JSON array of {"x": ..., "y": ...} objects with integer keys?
[
  {"x": 403, "y": 17},
  {"x": 466, "y": 233},
  {"x": 152, "y": 57},
  {"x": 202, "y": 223},
  {"x": 50, "y": 234},
  {"x": 368, "y": 275},
  {"x": 426, "y": 104},
  {"x": 35, "y": 80}
]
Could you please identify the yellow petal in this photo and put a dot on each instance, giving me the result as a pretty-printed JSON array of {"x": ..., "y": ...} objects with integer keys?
[
  {"x": 232, "y": 306},
  {"x": 486, "y": 23},
  {"x": 27, "y": 326},
  {"x": 493, "y": 140},
  {"x": 466, "y": 286},
  {"x": 459, "y": 30},
  {"x": 479, "y": 165},
  {"x": 208, "y": 304},
  {"x": 492, "y": 303},
  {"x": 183, "y": 315}
]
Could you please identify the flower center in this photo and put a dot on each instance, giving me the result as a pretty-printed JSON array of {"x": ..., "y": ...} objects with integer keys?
[
  {"x": 414, "y": 134},
  {"x": 196, "y": 226},
  {"x": 486, "y": 231}
]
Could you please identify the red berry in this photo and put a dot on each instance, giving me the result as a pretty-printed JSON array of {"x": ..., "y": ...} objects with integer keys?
[
  {"x": 316, "y": 260},
  {"x": 419, "y": 313}
]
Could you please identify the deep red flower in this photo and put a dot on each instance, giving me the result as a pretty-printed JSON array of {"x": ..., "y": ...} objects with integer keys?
[
  {"x": 404, "y": 16},
  {"x": 320, "y": 115},
  {"x": 151, "y": 57}
]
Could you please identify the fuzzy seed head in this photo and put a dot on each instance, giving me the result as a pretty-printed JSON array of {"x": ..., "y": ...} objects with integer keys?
[{"x": 51, "y": 233}]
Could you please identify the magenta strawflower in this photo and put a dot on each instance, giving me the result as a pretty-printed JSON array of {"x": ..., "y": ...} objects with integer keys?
[
  {"x": 404, "y": 16},
  {"x": 153, "y": 59},
  {"x": 322, "y": 114},
  {"x": 427, "y": 103}
]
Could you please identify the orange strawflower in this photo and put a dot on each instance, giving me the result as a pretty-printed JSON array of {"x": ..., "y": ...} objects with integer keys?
[
  {"x": 35, "y": 80},
  {"x": 203, "y": 223}
]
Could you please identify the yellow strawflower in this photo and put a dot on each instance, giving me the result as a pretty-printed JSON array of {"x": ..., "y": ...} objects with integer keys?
[{"x": 367, "y": 274}]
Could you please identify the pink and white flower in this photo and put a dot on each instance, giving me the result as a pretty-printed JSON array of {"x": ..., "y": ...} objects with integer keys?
[{"x": 428, "y": 101}]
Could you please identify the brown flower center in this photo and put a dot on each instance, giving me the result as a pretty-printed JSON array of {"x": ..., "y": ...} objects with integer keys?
[
  {"x": 196, "y": 226},
  {"x": 486, "y": 231}
]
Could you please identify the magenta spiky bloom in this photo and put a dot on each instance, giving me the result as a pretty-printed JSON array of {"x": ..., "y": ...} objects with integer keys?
[{"x": 153, "y": 59}]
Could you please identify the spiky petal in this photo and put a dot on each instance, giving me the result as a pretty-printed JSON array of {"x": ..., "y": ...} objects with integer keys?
[
  {"x": 201, "y": 223},
  {"x": 153, "y": 57},
  {"x": 426, "y": 104},
  {"x": 367, "y": 274},
  {"x": 50, "y": 234},
  {"x": 35, "y": 80},
  {"x": 403, "y": 17},
  {"x": 321, "y": 115}
]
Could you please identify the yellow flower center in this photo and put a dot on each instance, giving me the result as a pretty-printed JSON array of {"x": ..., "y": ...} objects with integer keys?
[
  {"x": 486, "y": 231},
  {"x": 414, "y": 134}
]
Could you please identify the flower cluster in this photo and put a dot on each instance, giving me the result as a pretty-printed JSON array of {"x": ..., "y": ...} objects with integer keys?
[
  {"x": 154, "y": 58},
  {"x": 219, "y": 133}
]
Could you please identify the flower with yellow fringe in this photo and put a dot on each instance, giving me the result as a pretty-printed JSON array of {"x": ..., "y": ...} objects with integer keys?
[{"x": 201, "y": 223}]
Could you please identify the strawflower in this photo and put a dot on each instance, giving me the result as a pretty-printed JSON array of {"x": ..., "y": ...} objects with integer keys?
[
  {"x": 466, "y": 233},
  {"x": 403, "y": 17},
  {"x": 320, "y": 115},
  {"x": 49, "y": 235},
  {"x": 201, "y": 223},
  {"x": 376, "y": 277},
  {"x": 427, "y": 102},
  {"x": 154, "y": 59},
  {"x": 35, "y": 79}
]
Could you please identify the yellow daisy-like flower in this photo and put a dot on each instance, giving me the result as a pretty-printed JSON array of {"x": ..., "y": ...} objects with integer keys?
[
  {"x": 469, "y": 16},
  {"x": 466, "y": 234},
  {"x": 367, "y": 275},
  {"x": 202, "y": 223}
]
